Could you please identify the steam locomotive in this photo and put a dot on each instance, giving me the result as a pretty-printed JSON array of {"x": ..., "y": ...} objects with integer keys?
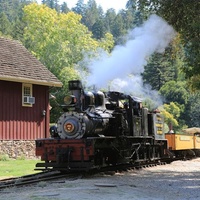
[{"x": 100, "y": 129}]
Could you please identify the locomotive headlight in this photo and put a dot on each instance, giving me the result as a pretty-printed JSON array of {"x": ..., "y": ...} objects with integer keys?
[{"x": 70, "y": 100}]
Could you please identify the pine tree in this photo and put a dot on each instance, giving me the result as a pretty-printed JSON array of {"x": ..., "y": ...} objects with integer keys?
[
  {"x": 5, "y": 25},
  {"x": 64, "y": 8}
]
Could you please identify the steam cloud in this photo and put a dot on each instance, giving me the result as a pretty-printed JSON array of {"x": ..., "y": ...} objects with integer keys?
[{"x": 153, "y": 36}]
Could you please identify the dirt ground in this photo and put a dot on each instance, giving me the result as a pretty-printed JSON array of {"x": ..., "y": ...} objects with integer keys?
[{"x": 179, "y": 180}]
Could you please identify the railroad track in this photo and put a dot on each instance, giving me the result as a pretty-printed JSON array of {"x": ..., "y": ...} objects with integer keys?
[
  {"x": 56, "y": 175},
  {"x": 126, "y": 167},
  {"x": 34, "y": 178}
]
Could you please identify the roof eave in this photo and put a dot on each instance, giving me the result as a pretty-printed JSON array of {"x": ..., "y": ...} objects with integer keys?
[{"x": 32, "y": 81}]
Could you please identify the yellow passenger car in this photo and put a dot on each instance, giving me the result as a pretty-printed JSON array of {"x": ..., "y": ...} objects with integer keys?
[
  {"x": 196, "y": 141},
  {"x": 181, "y": 141}
]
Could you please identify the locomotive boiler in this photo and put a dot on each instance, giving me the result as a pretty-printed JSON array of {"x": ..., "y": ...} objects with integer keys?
[{"x": 99, "y": 129}]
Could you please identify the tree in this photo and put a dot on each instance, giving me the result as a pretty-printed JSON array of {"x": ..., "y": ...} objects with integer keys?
[
  {"x": 107, "y": 42},
  {"x": 91, "y": 14},
  {"x": 64, "y": 8},
  {"x": 98, "y": 29},
  {"x": 165, "y": 67},
  {"x": 11, "y": 13},
  {"x": 110, "y": 19},
  {"x": 100, "y": 12},
  {"x": 60, "y": 41},
  {"x": 66, "y": 74},
  {"x": 174, "y": 91},
  {"x": 52, "y": 4},
  {"x": 10, "y": 8},
  {"x": 184, "y": 16},
  {"x": 158, "y": 71},
  {"x": 118, "y": 28},
  {"x": 128, "y": 17},
  {"x": 5, "y": 25},
  {"x": 192, "y": 114},
  {"x": 80, "y": 7},
  {"x": 171, "y": 113}
]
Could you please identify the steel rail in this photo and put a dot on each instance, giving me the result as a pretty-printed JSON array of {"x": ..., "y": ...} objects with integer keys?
[{"x": 33, "y": 178}]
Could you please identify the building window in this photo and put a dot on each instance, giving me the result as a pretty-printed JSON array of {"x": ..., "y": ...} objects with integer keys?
[{"x": 27, "y": 95}]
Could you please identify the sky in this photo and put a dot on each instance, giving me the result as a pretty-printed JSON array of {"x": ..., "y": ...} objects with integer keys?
[{"x": 106, "y": 4}]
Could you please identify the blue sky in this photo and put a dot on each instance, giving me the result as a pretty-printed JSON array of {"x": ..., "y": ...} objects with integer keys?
[{"x": 106, "y": 4}]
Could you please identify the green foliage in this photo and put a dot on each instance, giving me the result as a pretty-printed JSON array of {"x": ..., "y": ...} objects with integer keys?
[
  {"x": 98, "y": 29},
  {"x": 91, "y": 14},
  {"x": 11, "y": 25},
  {"x": 79, "y": 8},
  {"x": 99, "y": 23},
  {"x": 58, "y": 40},
  {"x": 174, "y": 91},
  {"x": 162, "y": 68},
  {"x": 188, "y": 103},
  {"x": 184, "y": 16},
  {"x": 171, "y": 113},
  {"x": 4, "y": 157},
  {"x": 192, "y": 111},
  {"x": 61, "y": 40},
  {"x": 66, "y": 75},
  {"x": 150, "y": 104},
  {"x": 5, "y": 25},
  {"x": 64, "y": 8},
  {"x": 158, "y": 71},
  {"x": 53, "y": 4},
  {"x": 109, "y": 19},
  {"x": 107, "y": 43},
  {"x": 21, "y": 157}
]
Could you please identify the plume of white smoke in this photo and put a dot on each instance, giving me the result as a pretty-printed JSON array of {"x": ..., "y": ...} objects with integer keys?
[
  {"x": 134, "y": 86},
  {"x": 153, "y": 36},
  {"x": 114, "y": 70}
]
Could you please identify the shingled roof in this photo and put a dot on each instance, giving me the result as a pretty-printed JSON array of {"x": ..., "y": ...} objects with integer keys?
[{"x": 19, "y": 65}]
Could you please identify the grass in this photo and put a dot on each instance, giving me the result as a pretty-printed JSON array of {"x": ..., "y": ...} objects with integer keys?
[{"x": 14, "y": 168}]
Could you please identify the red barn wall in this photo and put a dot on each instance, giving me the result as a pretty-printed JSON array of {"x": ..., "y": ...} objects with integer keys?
[{"x": 23, "y": 123}]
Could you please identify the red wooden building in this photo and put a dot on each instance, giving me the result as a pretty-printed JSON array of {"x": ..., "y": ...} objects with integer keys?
[{"x": 24, "y": 94}]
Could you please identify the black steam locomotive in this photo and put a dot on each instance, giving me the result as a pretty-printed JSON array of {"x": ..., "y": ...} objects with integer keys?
[{"x": 100, "y": 129}]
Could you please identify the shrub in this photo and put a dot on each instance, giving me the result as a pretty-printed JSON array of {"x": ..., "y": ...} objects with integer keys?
[{"x": 4, "y": 157}]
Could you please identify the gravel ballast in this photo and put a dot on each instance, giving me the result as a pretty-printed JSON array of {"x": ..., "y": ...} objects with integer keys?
[{"x": 179, "y": 180}]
